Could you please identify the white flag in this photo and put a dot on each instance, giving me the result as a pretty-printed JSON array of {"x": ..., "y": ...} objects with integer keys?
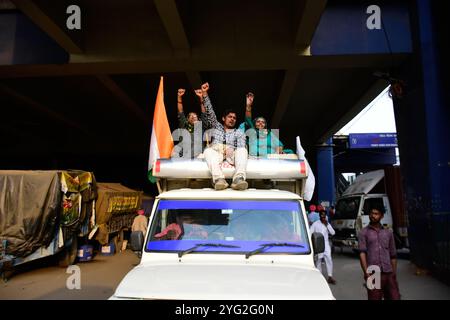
[{"x": 310, "y": 181}]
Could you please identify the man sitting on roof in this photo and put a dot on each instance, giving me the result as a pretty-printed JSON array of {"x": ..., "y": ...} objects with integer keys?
[{"x": 228, "y": 143}]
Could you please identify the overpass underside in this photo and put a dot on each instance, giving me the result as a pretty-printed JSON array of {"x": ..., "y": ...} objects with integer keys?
[{"x": 106, "y": 74}]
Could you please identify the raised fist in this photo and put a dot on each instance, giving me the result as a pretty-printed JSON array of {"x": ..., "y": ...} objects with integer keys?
[
  {"x": 181, "y": 92},
  {"x": 205, "y": 87},
  {"x": 198, "y": 92}
]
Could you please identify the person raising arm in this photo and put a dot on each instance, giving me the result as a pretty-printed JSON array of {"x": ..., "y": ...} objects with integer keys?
[{"x": 228, "y": 143}]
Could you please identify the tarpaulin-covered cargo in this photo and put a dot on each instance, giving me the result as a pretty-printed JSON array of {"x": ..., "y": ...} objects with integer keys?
[
  {"x": 30, "y": 204},
  {"x": 35, "y": 204},
  {"x": 115, "y": 209}
]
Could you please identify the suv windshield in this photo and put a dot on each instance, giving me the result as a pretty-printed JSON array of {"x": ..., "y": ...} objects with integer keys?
[
  {"x": 347, "y": 208},
  {"x": 227, "y": 226}
]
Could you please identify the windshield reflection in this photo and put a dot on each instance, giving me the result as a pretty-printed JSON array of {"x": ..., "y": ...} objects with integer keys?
[{"x": 241, "y": 225}]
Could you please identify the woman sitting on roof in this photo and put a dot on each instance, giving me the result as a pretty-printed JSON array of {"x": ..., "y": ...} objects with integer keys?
[{"x": 261, "y": 141}]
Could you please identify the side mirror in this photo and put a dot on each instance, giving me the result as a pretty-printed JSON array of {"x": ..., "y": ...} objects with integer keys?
[
  {"x": 136, "y": 240},
  {"x": 318, "y": 242}
]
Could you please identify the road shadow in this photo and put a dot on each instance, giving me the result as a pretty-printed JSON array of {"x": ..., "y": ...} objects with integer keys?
[{"x": 84, "y": 293}]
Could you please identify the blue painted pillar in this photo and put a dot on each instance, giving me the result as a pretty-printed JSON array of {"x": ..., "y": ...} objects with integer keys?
[
  {"x": 325, "y": 174},
  {"x": 423, "y": 117},
  {"x": 438, "y": 135},
  {"x": 437, "y": 112}
]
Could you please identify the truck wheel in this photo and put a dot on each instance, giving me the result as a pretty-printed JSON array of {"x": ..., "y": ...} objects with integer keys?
[{"x": 69, "y": 254}]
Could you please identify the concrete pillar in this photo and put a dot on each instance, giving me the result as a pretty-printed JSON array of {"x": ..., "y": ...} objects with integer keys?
[
  {"x": 422, "y": 116},
  {"x": 325, "y": 174}
]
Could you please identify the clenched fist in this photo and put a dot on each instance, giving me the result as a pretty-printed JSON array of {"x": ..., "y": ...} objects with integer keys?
[
  {"x": 198, "y": 92},
  {"x": 205, "y": 87},
  {"x": 181, "y": 92}
]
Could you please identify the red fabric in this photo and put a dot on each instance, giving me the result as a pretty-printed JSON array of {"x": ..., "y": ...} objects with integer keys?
[{"x": 174, "y": 234}]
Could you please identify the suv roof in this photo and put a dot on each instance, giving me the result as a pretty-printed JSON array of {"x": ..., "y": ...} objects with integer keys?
[{"x": 208, "y": 193}]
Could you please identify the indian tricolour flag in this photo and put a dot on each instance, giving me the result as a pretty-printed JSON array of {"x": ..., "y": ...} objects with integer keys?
[{"x": 161, "y": 143}]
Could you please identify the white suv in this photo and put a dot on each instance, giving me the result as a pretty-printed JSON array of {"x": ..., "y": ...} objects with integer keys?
[{"x": 207, "y": 244}]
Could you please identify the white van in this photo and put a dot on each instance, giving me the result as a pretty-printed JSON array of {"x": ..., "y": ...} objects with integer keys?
[{"x": 226, "y": 245}]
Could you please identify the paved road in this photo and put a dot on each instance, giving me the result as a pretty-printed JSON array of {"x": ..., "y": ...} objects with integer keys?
[
  {"x": 348, "y": 274},
  {"x": 100, "y": 277}
]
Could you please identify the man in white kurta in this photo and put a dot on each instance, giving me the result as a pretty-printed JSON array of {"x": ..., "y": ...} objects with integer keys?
[{"x": 322, "y": 226}]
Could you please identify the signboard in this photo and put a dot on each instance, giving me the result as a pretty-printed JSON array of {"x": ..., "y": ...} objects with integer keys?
[{"x": 372, "y": 140}]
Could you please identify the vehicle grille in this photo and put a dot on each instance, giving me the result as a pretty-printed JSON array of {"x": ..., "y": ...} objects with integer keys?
[{"x": 345, "y": 233}]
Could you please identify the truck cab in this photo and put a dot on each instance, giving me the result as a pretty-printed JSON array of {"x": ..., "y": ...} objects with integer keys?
[
  {"x": 353, "y": 208},
  {"x": 352, "y": 215},
  {"x": 221, "y": 245}
]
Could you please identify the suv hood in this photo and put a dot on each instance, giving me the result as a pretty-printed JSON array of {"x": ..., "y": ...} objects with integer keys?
[{"x": 223, "y": 282}]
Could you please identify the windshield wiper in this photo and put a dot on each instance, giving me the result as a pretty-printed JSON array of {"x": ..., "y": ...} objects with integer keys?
[
  {"x": 182, "y": 253},
  {"x": 275, "y": 244}
]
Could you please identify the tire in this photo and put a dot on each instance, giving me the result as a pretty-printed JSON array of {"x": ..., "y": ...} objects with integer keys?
[{"x": 69, "y": 254}]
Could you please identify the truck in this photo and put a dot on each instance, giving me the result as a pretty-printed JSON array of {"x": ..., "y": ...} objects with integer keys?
[
  {"x": 42, "y": 214},
  {"x": 381, "y": 187},
  {"x": 221, "y": 245},
  {"x": 115, "y": 210}
]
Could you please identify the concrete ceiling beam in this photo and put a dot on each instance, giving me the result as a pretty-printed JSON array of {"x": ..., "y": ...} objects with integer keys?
[
  {"x": 168, "y": 12},
  {"x": 244, "y": 63},
  {"x": 43, "y": 21},
  {"x": 311, "y": 11},
  {"x": 373, "y": 92},
  {"x": 27, "y": 101},
  {"x": 124, "y": 98},
  {"x": 286, "y": 91}
]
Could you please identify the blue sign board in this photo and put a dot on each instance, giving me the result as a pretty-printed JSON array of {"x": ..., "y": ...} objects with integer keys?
[{"x": 372, "y": 140}]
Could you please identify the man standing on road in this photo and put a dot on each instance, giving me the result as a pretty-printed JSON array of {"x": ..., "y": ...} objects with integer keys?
[
  {"x": 227, "y": 143},
  {"x": 322, "y": 226},
  {"x": 377, "y": 249},
  {"x": 140, "y": 222}
]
